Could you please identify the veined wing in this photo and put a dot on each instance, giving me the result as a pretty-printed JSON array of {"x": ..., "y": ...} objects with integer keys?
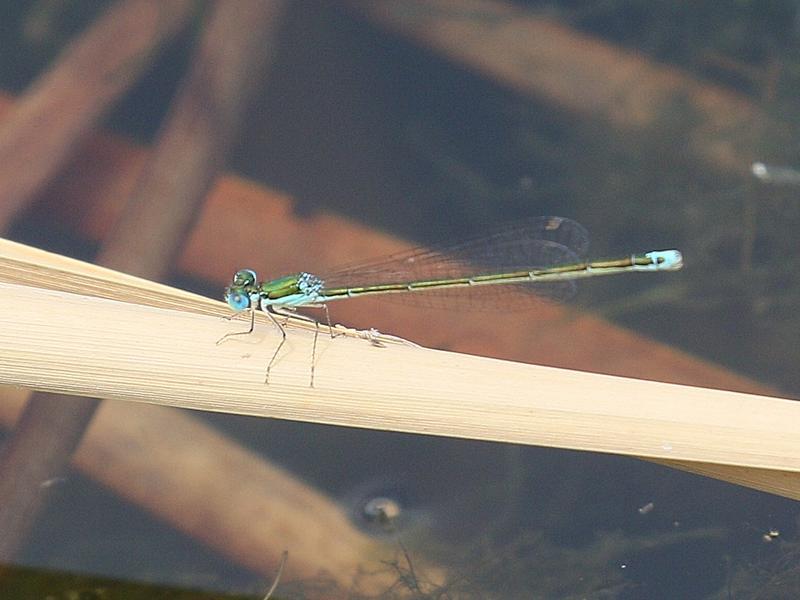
[{"x": 528, "y": 245}]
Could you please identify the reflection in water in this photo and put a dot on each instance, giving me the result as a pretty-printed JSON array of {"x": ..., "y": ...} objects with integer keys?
[
  {"x": 776, "y": 175},
  {"x": 382, "y": 511},
  {"x": 382, "y": 507}
]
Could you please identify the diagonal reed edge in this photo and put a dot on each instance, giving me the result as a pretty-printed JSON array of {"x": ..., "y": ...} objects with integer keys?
[{"x": 772, "y": 464}]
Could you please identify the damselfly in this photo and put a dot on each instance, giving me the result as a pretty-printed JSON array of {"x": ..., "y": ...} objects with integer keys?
[{"x": 497, "y": 271}]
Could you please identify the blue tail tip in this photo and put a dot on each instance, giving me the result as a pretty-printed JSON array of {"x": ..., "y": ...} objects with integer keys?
[{"x": 666, "y": 260}]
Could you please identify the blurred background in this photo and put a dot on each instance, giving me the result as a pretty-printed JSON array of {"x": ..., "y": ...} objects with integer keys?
[{"x": 304, "y": 135}]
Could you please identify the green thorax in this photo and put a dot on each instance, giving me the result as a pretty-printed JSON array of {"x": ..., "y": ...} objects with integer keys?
[{"x": 281, "y": 287}]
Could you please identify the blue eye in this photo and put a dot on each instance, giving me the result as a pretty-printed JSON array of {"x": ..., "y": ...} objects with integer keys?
[{"x": 237, "y": 300}]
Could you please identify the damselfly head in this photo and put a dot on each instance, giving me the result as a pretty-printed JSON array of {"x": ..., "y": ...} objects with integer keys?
[
  {"x": 239, "y": 294},
  {"x": 244, "y": 278}
]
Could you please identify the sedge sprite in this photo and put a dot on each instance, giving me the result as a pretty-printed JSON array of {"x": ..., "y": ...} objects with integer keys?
[{"x": 543, "y": 255}]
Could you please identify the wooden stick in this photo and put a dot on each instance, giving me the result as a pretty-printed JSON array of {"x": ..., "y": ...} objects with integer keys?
[
  {"x": 69, "y": 99},
  {"x": 228, "y": 63},
  {"x": 190, "y": 150},
  {"x": 540, "y": 57},
  {"x": 78, "y": 344},
  {"x": 200, "y": 482}
]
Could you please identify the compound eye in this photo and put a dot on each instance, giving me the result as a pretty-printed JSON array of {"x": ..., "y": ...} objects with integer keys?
[
  {"x": 237, "y": 300},
  {"x": 244, "y": 278}
]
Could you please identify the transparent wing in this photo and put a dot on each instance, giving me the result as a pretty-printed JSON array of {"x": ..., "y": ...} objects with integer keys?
[{"x": 537, "y": 243}]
